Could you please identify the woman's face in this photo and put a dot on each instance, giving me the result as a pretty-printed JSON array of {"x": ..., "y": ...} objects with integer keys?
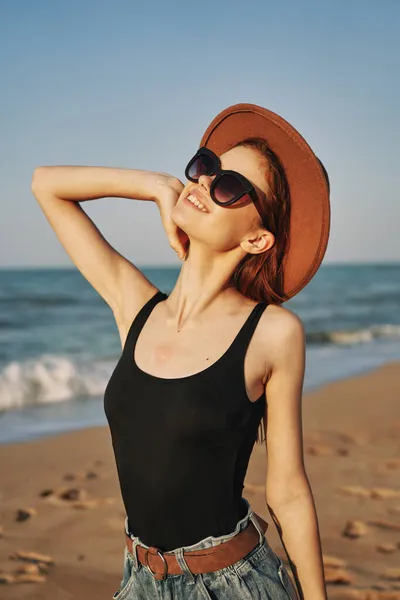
[{"x": 223, "y": 228}]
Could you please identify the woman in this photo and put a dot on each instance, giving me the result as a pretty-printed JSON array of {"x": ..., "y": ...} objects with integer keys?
[{"x": 207, "y": 366}]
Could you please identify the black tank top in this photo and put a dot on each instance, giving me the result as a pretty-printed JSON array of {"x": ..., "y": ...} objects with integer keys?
[{"x": 182, "y": 446}]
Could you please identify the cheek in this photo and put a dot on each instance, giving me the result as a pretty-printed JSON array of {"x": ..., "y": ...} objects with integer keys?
[{"x": 231, "y": 225}]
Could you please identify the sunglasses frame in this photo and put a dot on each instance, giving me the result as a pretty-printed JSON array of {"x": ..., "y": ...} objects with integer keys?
[{"x": 248, "y": 188}]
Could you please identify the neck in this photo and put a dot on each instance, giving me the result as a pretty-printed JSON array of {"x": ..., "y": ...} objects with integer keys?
[{"x": 203, "y": 287}]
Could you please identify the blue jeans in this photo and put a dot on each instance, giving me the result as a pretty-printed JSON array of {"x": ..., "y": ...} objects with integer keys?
[{"x": 260, "y": 575}]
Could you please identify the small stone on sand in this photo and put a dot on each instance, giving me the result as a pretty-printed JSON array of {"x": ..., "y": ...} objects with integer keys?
[
  {"x": 46, "y": 493},
  {"x": 23, "y": 514},
  {"x": 317, "y": 449},
  {"x": 334, "y": 575},
  {"x": 333, "y": 561},
  {"x": 355, "y": 529},
  {"x": 392, "y": 574},
  {"x": 74, "y": 494},
  {"x": 386, "y": 548}
]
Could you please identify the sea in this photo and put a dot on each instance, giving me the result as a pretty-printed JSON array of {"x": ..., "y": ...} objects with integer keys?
[{"x": 59, "y": 342}]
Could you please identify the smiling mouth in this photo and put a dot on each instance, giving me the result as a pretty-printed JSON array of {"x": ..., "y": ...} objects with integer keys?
[{"x": 191, "y": 198}]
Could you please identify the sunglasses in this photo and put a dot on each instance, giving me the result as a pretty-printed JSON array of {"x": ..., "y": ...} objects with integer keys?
[{"x": 228, "y": 186}]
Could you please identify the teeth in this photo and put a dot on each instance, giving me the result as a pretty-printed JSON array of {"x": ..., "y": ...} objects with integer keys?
[{"x": 194, "y": 201}]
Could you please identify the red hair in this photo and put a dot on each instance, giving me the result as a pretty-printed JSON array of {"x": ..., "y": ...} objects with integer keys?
[{"x": 261, "y": 276}]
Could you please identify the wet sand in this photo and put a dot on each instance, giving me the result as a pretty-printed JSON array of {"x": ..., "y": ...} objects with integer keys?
[{"x": 352, "y": 455}]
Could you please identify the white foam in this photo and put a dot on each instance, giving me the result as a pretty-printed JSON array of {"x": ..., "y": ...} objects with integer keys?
[
  {"x": 50, "y": 379},
  {"x": 368, "y": 334}
]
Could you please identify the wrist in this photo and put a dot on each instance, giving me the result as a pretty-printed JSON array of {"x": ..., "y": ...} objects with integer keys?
[{"x": 165, "y": 184}]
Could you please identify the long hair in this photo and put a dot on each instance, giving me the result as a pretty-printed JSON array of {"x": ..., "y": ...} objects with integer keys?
[{"x": 261, "y": 276}]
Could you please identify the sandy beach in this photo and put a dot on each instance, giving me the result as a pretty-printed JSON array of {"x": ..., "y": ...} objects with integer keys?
[{"x": 60, "y": 498}]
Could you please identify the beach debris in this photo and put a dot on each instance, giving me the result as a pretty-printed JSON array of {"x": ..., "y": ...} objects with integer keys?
[
  {"x": 394, "y": 510},
  {"x": 337, "y": 576},
  {"x": 90, "y": 474},
  {"x": 353, "y": 438},
  {"x": 342, "y": 451},
  {"x": 23, "y": 514},
  {"x": 355, "y": 529},
  {"x": 75, "y": 498},
  {"x": 23, "y": 576},
  {"x": 355, "y": 490},
  {"x": 317, "y": 449},
  {"x": 35, "y": 557},
  {"x": 333, "y": 562},
  {"x": 383, "y": 493},
  {"x": 392, "y": 574},
  {"x": 46, "y": 492},
  {"x": 32, "y": 568},
  {"x": 386, "y": 548},
  {"x": 1, "y": 532},
  {"x": 73, "y": 494},
  {"x": 80, "y": 557},
  {"x": 383, "y": 524}
]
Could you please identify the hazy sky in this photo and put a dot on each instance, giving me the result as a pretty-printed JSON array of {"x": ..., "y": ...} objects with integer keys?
[{"x": 135, "y": 84}]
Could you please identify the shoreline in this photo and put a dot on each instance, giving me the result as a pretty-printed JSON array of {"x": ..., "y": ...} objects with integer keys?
[{"x": 352, "y": 454}]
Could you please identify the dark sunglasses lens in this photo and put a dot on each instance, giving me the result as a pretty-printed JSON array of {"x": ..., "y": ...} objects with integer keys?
[
  {"x": 201, "y": 165},
  {"x": 227, "y": 187}
]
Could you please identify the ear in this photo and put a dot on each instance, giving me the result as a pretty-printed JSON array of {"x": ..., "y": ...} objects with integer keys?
[{"x": 261, "y": 242}]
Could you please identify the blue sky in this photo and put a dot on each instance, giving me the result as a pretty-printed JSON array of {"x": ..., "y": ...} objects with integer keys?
[{"x": 131, "y": 84}]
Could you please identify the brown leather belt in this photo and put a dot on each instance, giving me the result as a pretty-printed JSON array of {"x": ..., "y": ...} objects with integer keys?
[{"x": 200, "y": 561}]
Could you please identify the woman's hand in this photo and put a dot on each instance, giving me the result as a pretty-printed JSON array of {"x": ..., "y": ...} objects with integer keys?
[{"x": 168, "y": 192}]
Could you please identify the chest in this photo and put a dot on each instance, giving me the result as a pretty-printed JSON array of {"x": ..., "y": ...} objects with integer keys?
[{"x": 165, "y": 354}]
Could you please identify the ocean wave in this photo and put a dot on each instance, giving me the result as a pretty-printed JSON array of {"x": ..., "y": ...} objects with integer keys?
[
  {"x": 51, "y": 379},
  {"x": 355, "y": 336}
]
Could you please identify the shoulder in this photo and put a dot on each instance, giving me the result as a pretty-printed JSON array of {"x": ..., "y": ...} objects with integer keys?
[
  {"x": 283, "y": 335},
  {"x": 285, "y": 322}
]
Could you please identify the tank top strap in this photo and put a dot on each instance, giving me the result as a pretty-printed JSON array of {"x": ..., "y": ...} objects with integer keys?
[
  {"x": 141, "y": 318},
  {"x": 242, "y": 340}
]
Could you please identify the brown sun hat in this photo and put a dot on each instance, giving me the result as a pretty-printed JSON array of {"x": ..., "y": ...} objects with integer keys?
[{"x": 307, "y": 178}]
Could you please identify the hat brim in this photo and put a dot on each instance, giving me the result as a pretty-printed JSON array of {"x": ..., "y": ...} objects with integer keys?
[{"x": 309, "y": 189}]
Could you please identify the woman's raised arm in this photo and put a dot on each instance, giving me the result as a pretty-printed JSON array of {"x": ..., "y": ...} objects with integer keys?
[{"x": 59, "y": 191}]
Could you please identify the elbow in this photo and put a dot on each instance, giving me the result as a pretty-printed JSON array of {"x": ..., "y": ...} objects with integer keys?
[
  {"x": 38, "y": 179},
  {"x": 285, "y": 493}
]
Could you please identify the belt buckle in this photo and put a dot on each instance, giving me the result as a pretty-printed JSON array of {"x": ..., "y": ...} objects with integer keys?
[{"x": 160, "y": 554}]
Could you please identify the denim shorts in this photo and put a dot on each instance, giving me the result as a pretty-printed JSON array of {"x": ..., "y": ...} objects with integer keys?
[{"x": 257, "y": 576}]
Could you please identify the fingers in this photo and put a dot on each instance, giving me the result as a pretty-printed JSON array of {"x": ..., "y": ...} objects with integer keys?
[{"x": 176, "y": 245}]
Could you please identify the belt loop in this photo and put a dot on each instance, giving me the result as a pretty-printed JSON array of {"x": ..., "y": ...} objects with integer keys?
[
  {"x": 135, "y": 543},
  {"x": 183, "y": 565},
  {"x": 257, "y": 526}
]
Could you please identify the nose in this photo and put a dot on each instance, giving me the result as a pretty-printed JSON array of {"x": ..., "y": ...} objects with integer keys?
[{"x": 205, "y": 182}]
